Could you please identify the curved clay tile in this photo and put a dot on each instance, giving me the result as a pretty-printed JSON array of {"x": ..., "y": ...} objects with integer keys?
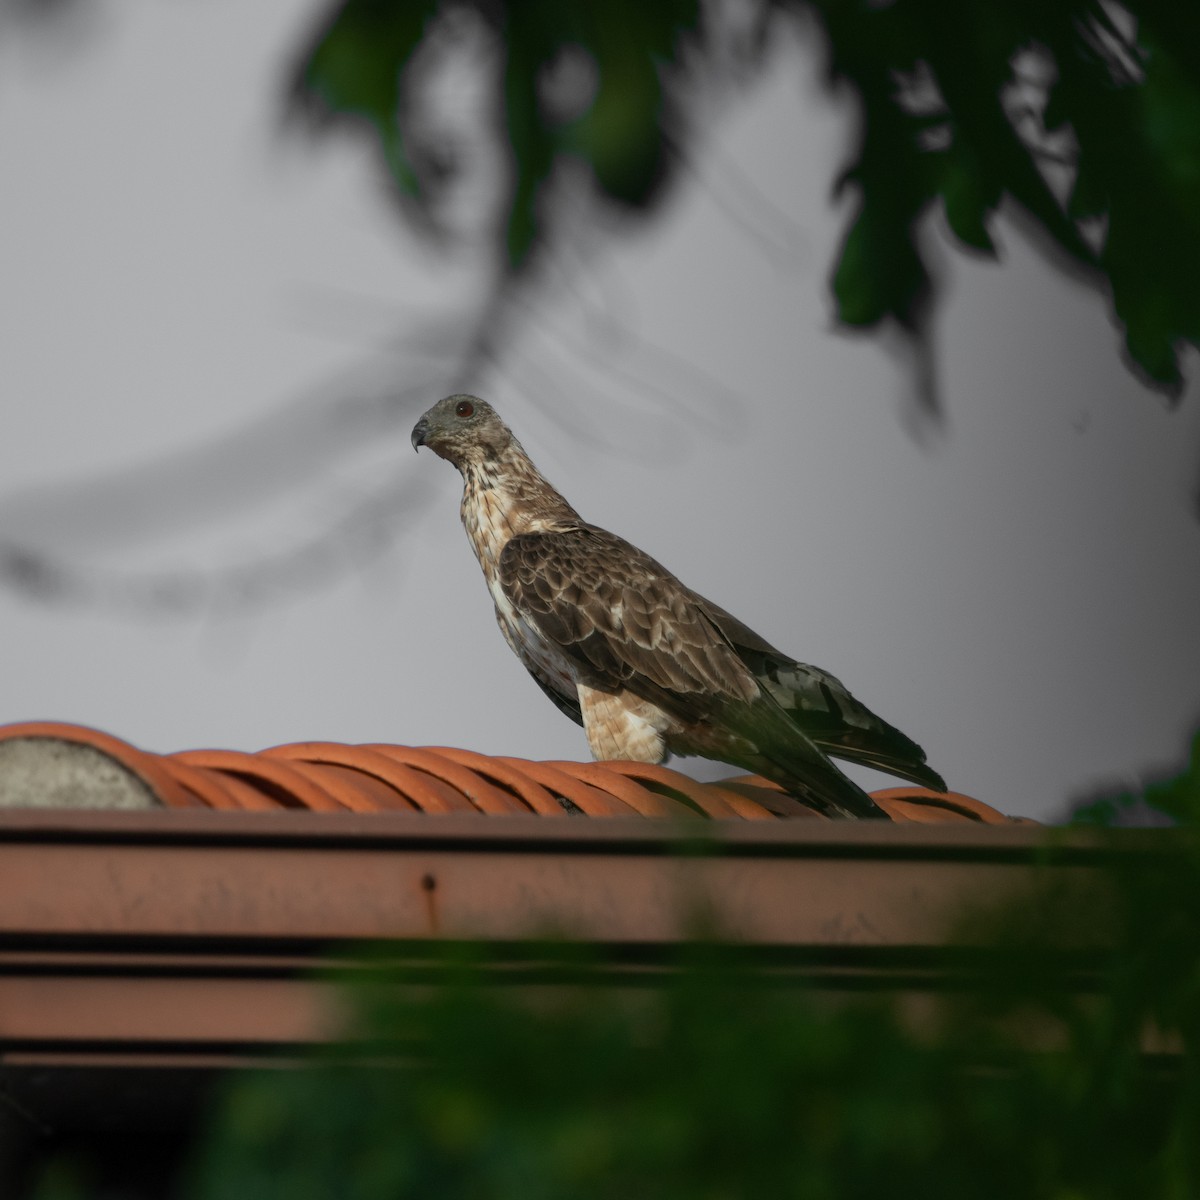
[
  {"x": 712, "y": 799},
  {"x": 382, "y": 782},
  {"x": 901, "y": 808},
  {"x": 502, "y": 771},
  {"x": 215, "y": 789},
  {"x": 427, "y": 792},
  {"x": 936, "y": 806},
  {"x": 355, "y": 790},
  {"x": 582, "y": 797},
  {"x": 483, "y": 795},
  {"x": 768, "y": 795},
  {"x": 333, "y": 777},
  {"x": 642, "y": 800},
  {"x": 276, "y": 780}
]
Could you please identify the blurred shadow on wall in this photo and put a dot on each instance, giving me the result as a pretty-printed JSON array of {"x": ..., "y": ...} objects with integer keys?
[
  {"x": 521, "y": 134},
  {"x": 298, "y": 471}
]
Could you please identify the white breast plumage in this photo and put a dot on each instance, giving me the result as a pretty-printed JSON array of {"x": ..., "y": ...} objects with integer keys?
[
  {"x": 538, "y": 655},
  {"x": 490, "y": 523}
]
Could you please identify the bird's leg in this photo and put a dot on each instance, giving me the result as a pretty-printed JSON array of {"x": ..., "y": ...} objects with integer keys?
[{"x": 622, "y": 725}]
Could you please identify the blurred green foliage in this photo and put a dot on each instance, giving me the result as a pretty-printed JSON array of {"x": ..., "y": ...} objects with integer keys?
[
  {"x": 964, "y": 106},
  {"x": 1059, "y": 1057},
  {"x": 1176, "y": 798},
  {"x": 361, "y": 63}
]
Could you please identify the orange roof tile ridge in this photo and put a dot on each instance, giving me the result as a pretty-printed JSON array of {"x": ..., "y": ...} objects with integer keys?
[
  {"x": 293, "y": 788},
  {"x": 711, "y": 798},
  {"x": 375, "y": 777},
  {"x": 582, "y": 797}
]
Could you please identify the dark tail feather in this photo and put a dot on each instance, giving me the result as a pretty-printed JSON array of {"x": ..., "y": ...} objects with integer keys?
[
  {"x": 909, "y": 767},
  {"x": 822, "y": 708},
  {"x": 785, "y": 754},
  {"x": 834, "y": 794}
]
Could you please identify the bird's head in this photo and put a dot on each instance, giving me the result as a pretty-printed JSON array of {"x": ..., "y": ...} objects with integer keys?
[{"x": 463, "y": 430}]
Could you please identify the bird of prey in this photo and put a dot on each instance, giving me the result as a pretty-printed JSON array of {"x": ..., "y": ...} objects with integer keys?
[{"x": 647, "y": 666}]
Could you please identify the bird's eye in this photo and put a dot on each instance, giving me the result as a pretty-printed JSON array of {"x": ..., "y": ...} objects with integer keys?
[{"x": 464, "y": 409}]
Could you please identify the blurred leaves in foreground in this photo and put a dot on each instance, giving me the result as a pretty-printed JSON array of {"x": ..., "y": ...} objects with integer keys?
[
  {"x": 1084, "y": 114},
  {"x": 1059, "y": 1056},
  {"x": 1175, "y": 799}
]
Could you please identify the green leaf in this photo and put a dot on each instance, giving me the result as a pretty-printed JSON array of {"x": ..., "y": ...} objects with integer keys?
[
  {"x": 879, "y": 272},
  {"x": 969, "y": 199},
  {"x": 356, "y": 67},
  {"x": 621, "y": 136},
  {"x": 1180, "y": 797}
]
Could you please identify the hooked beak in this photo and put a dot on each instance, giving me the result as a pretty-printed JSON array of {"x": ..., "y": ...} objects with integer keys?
[{"x": 419, "y": 433}]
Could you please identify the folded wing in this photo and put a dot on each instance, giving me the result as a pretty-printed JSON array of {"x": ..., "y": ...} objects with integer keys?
[{"x": 626, "y": 623}]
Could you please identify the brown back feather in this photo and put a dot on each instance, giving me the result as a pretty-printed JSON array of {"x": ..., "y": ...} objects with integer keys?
[{"x": 620, "y": 614}]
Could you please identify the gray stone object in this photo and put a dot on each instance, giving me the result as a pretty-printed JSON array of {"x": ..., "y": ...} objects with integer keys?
[{"x": 48, "y": 772}]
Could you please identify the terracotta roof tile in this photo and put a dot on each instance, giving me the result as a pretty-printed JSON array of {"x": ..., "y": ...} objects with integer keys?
[
  {"x": 277, "y": 781},
  {"x": 332, "y": 777},
  {"x": 576, "y": 795},
  {"x": 643, "y": 801},
  {"x": 712, "y": 799},
  {"x": 508, "y": 773}
]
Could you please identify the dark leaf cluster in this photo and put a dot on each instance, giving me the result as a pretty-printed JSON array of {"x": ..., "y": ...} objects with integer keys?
[
  {"x": 577, "y": 81},
  {"x": 1082, "y": 114}
]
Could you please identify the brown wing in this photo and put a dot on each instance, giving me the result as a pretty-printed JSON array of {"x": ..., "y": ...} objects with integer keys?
[
  {"x": 620, "y": 614},
  {"x": 628, "y": 622}
]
